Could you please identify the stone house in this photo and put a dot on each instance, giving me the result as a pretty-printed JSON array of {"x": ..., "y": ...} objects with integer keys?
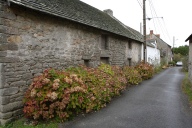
[
  {"x": 39, "y": 34},
  {"x": 165, "y": 49},
  {"x": 190, "y": 57}
]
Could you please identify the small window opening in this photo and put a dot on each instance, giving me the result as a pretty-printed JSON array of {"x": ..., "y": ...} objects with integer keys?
[
  {"x": 129, "y": 44},
  {"x": 86, "y": 63},
  {"x": 104, "y": 42},
  {"x": 104, "y": 60},
  {"x": 129, "y": 62}
]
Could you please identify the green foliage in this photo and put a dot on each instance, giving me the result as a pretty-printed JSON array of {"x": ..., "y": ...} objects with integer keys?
[
  {"x": 177, "y": 57},
  {"x": 145, "y": 69},
  {"x": 157, "y": 69},
  {"x": 132, "y": 75},
  {"x": 187, "y": 88},
  {"x": 163, "y": 61},
  {"x": 183, "y": 50},
  {"x": 185, "y": 63},
  {"x": 172, "y": 63},
  {"x": 21, "y": 123}
]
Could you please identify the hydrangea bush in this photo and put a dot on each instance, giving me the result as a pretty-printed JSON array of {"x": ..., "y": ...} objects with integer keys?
[
  {"x": 54, "y": 93},
  {"x": 145, "y": 70},
  {"x": 65, "y": 93},
  {"x": 132, "y": 75},
  {"x": 62, "y": 94}
]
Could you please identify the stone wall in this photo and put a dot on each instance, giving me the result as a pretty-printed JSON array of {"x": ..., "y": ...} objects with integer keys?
[
  {"x": 31, "y": 42},
  {"x": 190, "y": 60}
]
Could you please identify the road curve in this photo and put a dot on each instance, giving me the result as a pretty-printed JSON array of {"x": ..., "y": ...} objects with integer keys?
[{"x": 156, "y": 103}]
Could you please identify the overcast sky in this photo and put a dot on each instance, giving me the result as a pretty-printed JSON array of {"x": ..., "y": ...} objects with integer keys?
[{"x": 176, "y": 21}]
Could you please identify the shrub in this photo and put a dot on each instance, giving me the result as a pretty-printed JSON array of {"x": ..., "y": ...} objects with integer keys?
[
  {"x": 185, "y": 63},
  {"x": 62, "y": 94},
  {"x": 172, "y": 63},
  {"x": 65, "y": 93},
  {"x": 187, "y": 88},
  {"x": 145, "y": 69},
  {"x": 132, "y": 75},
  {"x": 157, "y": 69},
  {"x": 54, "y": 93}
]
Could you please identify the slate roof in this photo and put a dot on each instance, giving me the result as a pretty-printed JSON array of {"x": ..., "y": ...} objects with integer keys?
[
  {"x": 138, "y": 34},
  {"x": 150, "y": 45},
  {"x": 149, "y": 42},
  {"x": 159, "y": 40},
  {"x": 78, "y": 11},
  {"x": 188, "y": 38}
]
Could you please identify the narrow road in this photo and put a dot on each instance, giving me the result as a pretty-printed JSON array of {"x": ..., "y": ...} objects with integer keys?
[{"x": 156, "y": 103}]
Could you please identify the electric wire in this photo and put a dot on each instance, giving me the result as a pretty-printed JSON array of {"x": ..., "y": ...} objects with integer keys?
[
  {"x": 152, "y": 17},
  {"x": 140, "y": 4},
  {"x": 157, "y": 19},
  {"x": 161, "y": 26},
  {"x": 167, "y": 30}
]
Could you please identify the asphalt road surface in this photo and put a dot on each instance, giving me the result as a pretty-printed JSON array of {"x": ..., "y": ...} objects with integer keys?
[{"x": 156, "y": 103}]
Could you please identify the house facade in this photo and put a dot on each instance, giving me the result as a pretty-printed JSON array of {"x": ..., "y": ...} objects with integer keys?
[
  {"x": 36, "y": 35},
  {"x": 190, "y": 57},
  {"x": 153, "y": 53},
  {"x": 165, "y": 49}
]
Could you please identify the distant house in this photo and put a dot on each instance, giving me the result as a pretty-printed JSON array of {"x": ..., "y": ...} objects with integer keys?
[
  {"x": 153, "y": 53},
  {"x": 165, "y": 49},
  {"x": 190, "y": 57},
  {"x": 39, "y": 34}
]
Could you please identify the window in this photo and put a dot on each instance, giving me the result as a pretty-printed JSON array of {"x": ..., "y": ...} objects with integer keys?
[
  {"x": 104, "y": 60},
  {"x": 129, "y": 44},
  {"x": 104, "y": 42},
  {"x": 86, "y": 63},
  {"x": 129, "y": 62}
]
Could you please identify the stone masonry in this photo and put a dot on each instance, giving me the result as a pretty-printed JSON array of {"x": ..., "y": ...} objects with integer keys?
[
  {"x": 190, "y": 60},
  {"x": 31, "y": 42}
]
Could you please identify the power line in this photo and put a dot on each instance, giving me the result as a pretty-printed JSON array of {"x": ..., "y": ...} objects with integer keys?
[
  {"x": 140, "y": 4},
  {"x": 167, "y": 31},
  {"x": 157, "y": 16},
  {"x": 152, "y": 7},
  {"x": 152, "y": 15}
]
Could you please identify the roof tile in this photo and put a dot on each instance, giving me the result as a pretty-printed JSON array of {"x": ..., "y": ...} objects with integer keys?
[{"x": 80, "y": 12}]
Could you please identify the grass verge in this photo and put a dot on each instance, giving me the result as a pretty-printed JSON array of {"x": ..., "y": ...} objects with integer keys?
[
  {"x": 187, "y": 88},
  {"x": 20, "y": 123}
]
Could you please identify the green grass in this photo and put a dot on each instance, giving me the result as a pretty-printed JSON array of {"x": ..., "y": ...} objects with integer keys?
[
  {"x": 187, "y": 88},
  {"x": 20, "y": 124}
]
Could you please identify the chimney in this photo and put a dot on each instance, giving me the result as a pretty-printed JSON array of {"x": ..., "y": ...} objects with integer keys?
[
  {"x": 158, "y": 35},
  {"x": 109, "y": 12},
  {"x": 151, "y": 32}
]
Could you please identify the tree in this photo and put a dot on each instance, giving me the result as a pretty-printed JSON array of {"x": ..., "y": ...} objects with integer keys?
[
  {"x": 177, "y": 57},
  {"x": 183, "y": 50}
]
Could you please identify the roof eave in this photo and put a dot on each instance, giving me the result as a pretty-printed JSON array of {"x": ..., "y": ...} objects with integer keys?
[
  {"x": 188, "y": 38},
  {"x": 18, "y": 2}
]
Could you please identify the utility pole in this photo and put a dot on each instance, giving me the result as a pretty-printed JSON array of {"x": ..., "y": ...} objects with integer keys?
[
  {"x": 173, "y": 44},
  {"x": 144, "y": 31},
  {"x": 141, "y": 28},
  {"x": 173, "y": 41}
]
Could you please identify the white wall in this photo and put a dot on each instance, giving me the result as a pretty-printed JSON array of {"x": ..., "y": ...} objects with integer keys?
[
  {"x": 153, "y": 55},
  {"x": 142, "y": 52}
]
